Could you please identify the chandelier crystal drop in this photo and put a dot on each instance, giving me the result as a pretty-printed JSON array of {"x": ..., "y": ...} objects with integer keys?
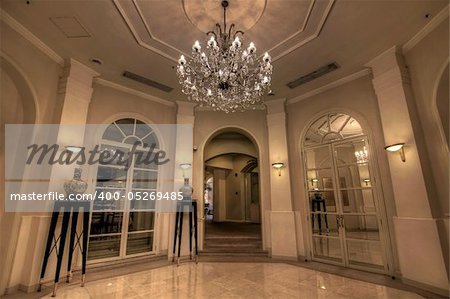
[{"x": 225, "y": 76}]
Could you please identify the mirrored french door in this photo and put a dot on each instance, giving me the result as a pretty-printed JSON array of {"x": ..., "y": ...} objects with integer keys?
[
  {"x": 122, "y": 228},
  {"x": 344, "y": 221}
]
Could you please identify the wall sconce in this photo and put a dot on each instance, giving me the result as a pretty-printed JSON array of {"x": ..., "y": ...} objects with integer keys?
[
  {"x": 314, "y": 181},
  {"x": 366, "y": 181},
  {"x": 185, "y": 166},
  {"x": 397, "y": 147},
  {"x": 278, "y": 166},
  {"x": 74, "y": 148}
]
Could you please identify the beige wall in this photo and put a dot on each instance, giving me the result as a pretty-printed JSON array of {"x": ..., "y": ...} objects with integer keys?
[
  {"x": 27, "y": 96},
  {"x": 107, "y": 102},
  {"x": 426, "y": 63}
]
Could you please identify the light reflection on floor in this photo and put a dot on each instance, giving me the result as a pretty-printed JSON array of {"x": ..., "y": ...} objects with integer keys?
[{"x": 231, "y": 280}]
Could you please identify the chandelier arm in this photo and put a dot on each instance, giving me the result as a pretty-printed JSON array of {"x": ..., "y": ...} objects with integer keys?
[
  {"x": 212, "y": 33},
  {"x": 219, "y": 29},
  {"x": 229, "y": 30},
  {"x": 236, "y": 33}
]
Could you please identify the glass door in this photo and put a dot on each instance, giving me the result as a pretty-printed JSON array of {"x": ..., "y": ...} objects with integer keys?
[
  {"x": 324, "y": 208},
  {"x": 343, "y": 219},
  {"x": 359, "y": 217}
]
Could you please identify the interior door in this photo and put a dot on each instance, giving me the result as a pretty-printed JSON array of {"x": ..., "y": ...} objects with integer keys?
[
  {"x": 359, "y": 219},
  {"x": 343, "y": 217},
  {"x": 323, "y": 206}
]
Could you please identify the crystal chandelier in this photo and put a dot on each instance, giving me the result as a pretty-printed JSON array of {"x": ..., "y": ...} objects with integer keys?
[
  {"x": 362, "y": 156},
  {"x": 225, "y": 76}
]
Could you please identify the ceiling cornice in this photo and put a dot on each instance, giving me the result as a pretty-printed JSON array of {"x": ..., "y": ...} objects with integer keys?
[
  {"x": 134, "y": 92},
  {"x": 434, "y": 22},
  {"x": 329, "y": 86},
  {"x": 33, "y": 39}
]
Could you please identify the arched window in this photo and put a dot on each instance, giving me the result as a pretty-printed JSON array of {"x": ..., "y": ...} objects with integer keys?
[
  {"x": 120, "y": 228},
  {"x": 344, "y": 224}
]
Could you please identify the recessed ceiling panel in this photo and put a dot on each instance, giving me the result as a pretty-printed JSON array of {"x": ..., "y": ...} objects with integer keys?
[
  {"x": 70, "y": 26},
  {"x": 275, "y": 26}
]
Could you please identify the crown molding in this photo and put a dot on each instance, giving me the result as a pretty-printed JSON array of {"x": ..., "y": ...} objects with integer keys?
[
  {"x": 329, "y": 86},
  {"x": 134, "y": 92},
  {"x": 434, "y": 22},
  {"x": 33, "y": 39}
]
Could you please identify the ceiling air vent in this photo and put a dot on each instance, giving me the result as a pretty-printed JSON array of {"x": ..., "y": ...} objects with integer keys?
[
  {"x": 313, "y": 75},
  {"x": 147, "y": 81}
]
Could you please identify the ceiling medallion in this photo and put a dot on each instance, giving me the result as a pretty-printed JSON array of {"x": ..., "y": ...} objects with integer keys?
[{"x": 225, "y": 77}]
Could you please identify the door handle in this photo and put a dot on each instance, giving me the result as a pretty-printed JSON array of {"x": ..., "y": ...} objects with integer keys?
[{"x": 340, "y": 221}]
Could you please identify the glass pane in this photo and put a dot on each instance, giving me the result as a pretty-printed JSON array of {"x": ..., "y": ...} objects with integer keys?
[
  {"x": 320, "y": 179},
  {"x": 363, "y": 227},
  {"x": 315, "y": 133},
  {"x": 103, "y": 247},
  {"x": 133, "y": 140},
  {"x": 113, "y": 155},
  {"x": 126, "y": 125},
  {"x": 141, "y": 221},
  {"x": 140, "y": 242},
  {"x": 106, "y": 222},
  {"x": 113, "y": 133},
  {"x": 318, "y": 158},
  {"x": 145, "y": 160},
  {"x": 354, "y": 176},
  {"x": 144, "y": 179},
  {"x": 324, "y": 224},
  {"x": 109, "y": 199},
  {"x": 151, "y": 139},
  {"x": 352, "y": 152},
  {"x": 143, "y": 200},
  {"x": 142, "y": 129},
  {"x": 327, "y": 248},
  {"x": 358, "y": 201},
  {"x": 323, "y": 201},
  {"x": 111, "y": 177},
  {"x": 365, "y": 253}
]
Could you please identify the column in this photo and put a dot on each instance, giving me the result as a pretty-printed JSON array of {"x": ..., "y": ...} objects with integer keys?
[
  {"x": 74, "y": 95},
  {"x": 418, "y": 245},
  {"x": 282, "y": 216}
]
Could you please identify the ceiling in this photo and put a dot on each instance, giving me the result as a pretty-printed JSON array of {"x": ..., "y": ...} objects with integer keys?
[{"x": 146, "y": 37}]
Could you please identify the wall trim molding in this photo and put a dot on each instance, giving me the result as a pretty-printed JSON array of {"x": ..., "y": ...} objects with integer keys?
[
  {"x": 33, "y": 39},
  {"x": 133, "y": 92},
  {"x": 330, "y": 85},
  {"x": 432, "y": 24}
]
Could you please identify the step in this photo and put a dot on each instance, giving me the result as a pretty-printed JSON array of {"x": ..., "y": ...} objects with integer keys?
[
  {"x": 232, "y": 237},
  {"x": 251, "y": 246},
  {"x": 233, "y": 253}
]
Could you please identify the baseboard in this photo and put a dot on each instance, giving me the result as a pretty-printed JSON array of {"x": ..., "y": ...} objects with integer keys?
[
  {"x": 427, "y": 287},
  {"x": 284, "y": 258}
]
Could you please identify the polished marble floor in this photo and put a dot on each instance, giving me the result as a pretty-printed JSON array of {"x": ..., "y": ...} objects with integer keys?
[{"x": 231, "y": 280}]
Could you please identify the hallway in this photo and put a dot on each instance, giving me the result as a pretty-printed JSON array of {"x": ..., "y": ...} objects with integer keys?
[{"x": 233, "y": 238}]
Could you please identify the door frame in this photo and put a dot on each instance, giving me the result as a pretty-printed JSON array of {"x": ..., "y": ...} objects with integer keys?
[{"x": 385, "y": 241}]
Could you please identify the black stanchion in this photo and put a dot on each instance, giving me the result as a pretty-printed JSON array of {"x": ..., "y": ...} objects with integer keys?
[
  {"x": 193, "y": 230},
  {"x": 57, "y": 243}
]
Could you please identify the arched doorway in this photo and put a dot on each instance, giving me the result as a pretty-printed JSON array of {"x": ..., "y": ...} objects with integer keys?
[
  {"x": 343, "y": 209},
  {"x": 231, "y": 189}
]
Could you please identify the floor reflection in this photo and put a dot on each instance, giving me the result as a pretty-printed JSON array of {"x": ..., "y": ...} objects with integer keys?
[{"x": 232, "y": 280}]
